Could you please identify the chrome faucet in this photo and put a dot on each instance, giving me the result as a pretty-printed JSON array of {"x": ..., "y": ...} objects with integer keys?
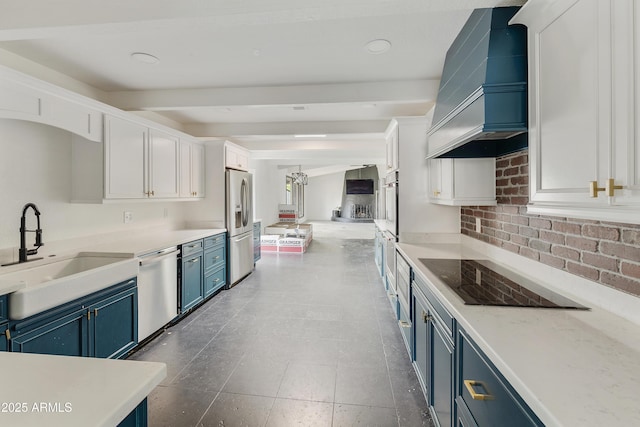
[{"x": 24, "y": 252}]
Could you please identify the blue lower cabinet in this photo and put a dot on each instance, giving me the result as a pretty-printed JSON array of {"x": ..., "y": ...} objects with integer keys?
[
  {"x": 421, "y": 319},
  {"x": 483, "y": 396},
  {"x": 137, "y": 417},
  {"x": 63, "y": 335},
  {"x": 4, "y": 342},
  {"x": 441, "y": 374},
  {"x": 102, "y": 325},
  {"x": 214, "y": 281},
  {"x": 114, "y": 325},
  {"x": 192, "y": 292}
]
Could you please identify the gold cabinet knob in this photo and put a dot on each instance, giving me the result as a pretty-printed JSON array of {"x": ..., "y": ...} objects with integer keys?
[
  {"x": 594, "y": 189},
  {"x": 611, "y": 187}
]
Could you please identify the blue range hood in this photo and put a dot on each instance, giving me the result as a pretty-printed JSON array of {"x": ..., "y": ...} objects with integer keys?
[{"x": 481, "y": 110}]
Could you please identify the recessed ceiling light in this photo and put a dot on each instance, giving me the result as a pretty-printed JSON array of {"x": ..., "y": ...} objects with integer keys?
[
  {"x": 146, "y": 58},
  {"x": 378, "y": 46},
  {"x": 309, "y": 135}
]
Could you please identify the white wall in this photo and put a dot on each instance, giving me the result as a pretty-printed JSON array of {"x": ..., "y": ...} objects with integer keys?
[
  {"x": 35, "y": 166},
  {"x": 269, "y": 190},
  {"x": 322, "y": 195},
  {"x": 415, "y": 213}
]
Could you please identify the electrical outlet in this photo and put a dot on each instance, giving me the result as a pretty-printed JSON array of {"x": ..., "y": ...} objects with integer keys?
[
  {"x": 127, "y": 217},
  {"x": 478, "y": 225}
]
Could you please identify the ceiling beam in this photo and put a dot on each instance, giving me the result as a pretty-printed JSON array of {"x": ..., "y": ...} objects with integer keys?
[
  {"x": 369, "y": 129},
  {"x": 371, "y": 92}
]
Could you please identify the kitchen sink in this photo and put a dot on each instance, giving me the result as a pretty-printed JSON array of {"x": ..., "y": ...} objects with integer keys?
[{"x": 51, "y": 283}]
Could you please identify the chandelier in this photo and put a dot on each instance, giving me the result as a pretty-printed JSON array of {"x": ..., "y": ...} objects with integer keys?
[{"x": 300, "y": 177}]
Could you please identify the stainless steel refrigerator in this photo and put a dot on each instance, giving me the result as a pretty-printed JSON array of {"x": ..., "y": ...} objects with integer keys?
[{"x": 239, "y": 224}]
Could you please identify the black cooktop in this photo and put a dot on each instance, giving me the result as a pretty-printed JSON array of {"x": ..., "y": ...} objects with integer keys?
[{"x": 482, "y": 282}]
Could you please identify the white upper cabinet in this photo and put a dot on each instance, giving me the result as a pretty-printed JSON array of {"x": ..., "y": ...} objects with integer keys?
[
  {"x": 139, "y": 162},
  {"x": 191, "y": 170},
  {"x": 584, "y": 72},
  {"x": 236, "y": 157},
  {"x": 392, "y": 146},
  {"x": 125, "y": 158},
  {"x": 462, "y": 182},
  {"x": 163, "y": 164}
]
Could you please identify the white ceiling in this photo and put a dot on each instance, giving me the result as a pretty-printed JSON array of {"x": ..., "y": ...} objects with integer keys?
[{"x": 253, "y": 71}]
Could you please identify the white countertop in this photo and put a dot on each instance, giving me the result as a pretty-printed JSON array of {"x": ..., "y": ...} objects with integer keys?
[
  {"x": 73, "y": 391},
  {"x": 146, "y": 242},
  {"x": 572, "y": 367}
]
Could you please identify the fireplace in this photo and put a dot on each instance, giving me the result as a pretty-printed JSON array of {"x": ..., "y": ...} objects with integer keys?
[{"x": 358, "y": 196}]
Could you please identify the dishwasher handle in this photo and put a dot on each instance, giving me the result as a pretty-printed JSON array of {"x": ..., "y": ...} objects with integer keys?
[{"x": 159, "y": 256}]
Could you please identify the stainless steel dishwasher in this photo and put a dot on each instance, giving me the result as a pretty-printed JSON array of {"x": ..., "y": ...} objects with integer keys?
[{"x": 157, "y": 290}]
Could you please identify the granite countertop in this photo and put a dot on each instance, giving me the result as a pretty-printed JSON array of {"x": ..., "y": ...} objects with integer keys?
[
  {"x": 73, "y": 391},
  {"x": 572, "y": 367}
]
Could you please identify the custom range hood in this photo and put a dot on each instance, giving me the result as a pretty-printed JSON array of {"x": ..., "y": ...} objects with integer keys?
[{"x": 481, "y": 110}]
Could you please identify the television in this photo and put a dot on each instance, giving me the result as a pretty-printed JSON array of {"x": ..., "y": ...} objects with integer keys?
[{"x": 359, "y": 186}]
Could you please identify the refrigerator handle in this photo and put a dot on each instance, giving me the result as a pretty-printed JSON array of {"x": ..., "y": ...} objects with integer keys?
[{"x": 243, "y": 196}]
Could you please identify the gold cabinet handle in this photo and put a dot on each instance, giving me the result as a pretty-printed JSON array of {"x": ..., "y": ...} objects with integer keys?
[
  {"x": 470, "y": 384},
  {"x": 88, "y": 315},
  {"x": 425, "y": 317},
  {"x": 404, "y": 324},
  {"x": 95, "y": 312},
  {"x": 436, "y": 193},
  {"x": 195, "y": 260},
  {"x": 8, "y": 334},
  {"x": 611, "y": 187},
  {"x": 594, "y": 189},
  {"x": 217, "y": 280}
]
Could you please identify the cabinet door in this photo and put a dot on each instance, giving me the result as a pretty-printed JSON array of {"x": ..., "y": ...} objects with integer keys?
[
  {"x": 185, "y": 169},
  {"x": 570, "y": 103},
  {"x": 421, "y": 316},
  {"x": 393, "y": 153},
  {"x": 441, "y": 374},
  {"x": 236, "y": 158},
  {"x": 125, "y": 174},
  {"x": 4, "y": 344},
  {"x": 163, "y": 164},
  {"x": 65, "y": 336},
  {"x": 114, "y": 325},
  {"x": 197, "y": 170},
  {"x": 626, "y": 81},
  {"x": 191, "y": 281}
]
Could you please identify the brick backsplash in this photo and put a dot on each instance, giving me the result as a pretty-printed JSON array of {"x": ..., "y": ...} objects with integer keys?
[{"x": 605, "y": 252}]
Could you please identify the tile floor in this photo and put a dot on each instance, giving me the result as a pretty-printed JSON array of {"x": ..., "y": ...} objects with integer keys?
[{"x": 306, "y": 340}]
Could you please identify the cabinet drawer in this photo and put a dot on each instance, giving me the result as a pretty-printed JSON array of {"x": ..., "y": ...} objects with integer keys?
[
  {"x": 214, "y": 257},
  {"x": 3, "y": 308},
  {"x": 211, "y": 241},
  {"x": 191, "y": 247},
  {"x": 214, "y": 281},
  {"x": 494, "y": 402},
  {"x": 447, "y": 320}
]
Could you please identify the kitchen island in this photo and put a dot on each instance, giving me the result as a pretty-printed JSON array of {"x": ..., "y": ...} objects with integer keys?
[
  {"x": 74, "y": 391},
  {"x": 571, "y": 367}
]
